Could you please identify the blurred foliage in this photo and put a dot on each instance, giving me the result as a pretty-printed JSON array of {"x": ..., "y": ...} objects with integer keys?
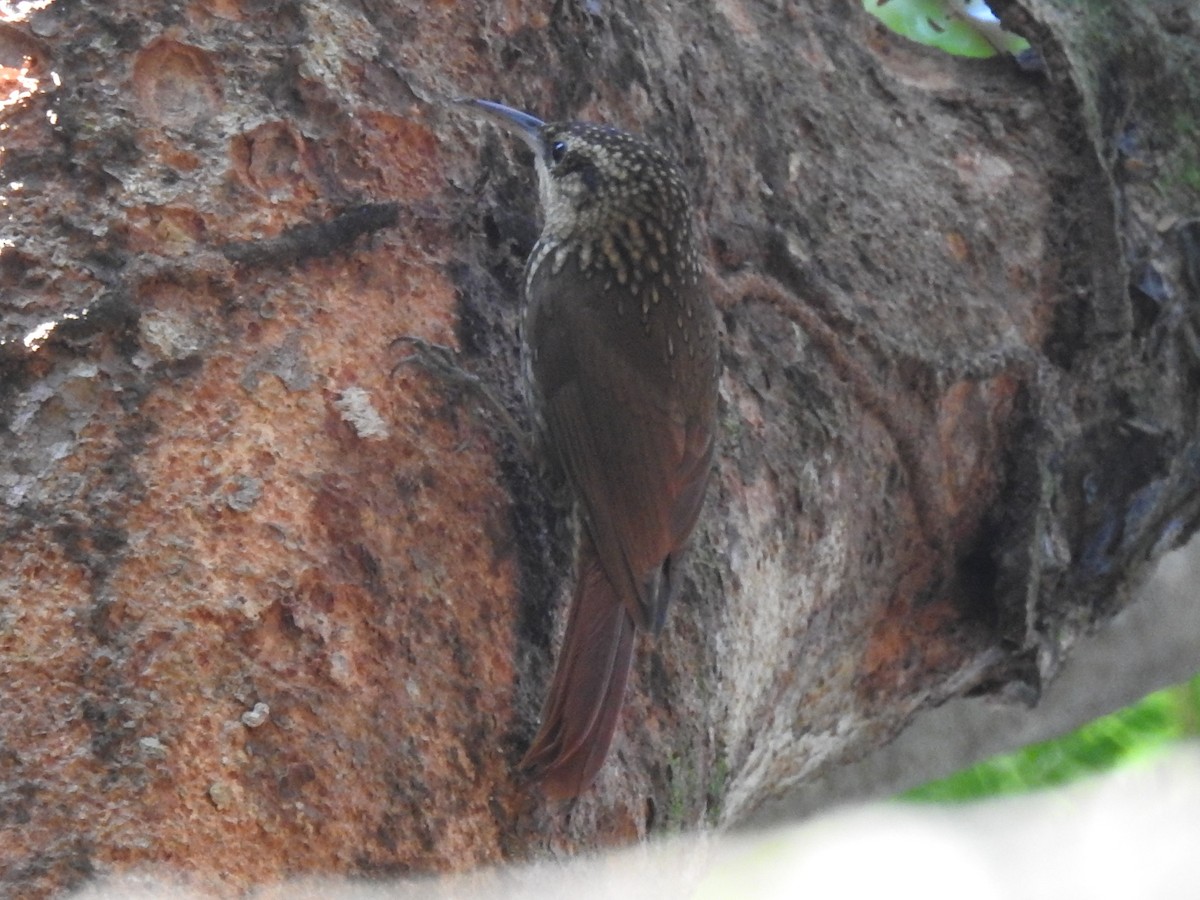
[
  {"x": 963, "y": 28},
  {"x": 1125, "y": 736}
]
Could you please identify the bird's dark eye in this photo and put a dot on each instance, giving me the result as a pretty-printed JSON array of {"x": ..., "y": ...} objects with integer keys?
[{"x": 557, "y": 151}]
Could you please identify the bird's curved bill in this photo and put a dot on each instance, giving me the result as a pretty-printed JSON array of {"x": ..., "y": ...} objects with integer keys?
[{"x": 523, "y": 125}]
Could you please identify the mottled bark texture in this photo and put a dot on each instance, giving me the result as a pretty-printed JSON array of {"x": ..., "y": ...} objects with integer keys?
[{"x": 958, "y": 410}]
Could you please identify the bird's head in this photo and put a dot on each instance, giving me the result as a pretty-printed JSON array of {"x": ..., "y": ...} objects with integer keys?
[{"x": 592, "y": 177}]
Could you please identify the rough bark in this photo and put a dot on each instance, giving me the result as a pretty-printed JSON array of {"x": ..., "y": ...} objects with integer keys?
[
  {"x": 958, "y": 410},
  {"x": 1153, "y": 643}
]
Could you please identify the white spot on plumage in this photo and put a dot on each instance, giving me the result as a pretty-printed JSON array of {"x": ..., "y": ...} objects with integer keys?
[{"x": 637, "y": 240}]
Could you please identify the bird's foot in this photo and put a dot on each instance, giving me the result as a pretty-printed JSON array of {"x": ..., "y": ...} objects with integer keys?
[{"x": 443, "y": 362}]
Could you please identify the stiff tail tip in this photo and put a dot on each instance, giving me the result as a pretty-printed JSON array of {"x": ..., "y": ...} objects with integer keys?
[{"x": 584, "y": 703}]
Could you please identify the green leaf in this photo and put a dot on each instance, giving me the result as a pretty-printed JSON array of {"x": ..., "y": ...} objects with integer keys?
[
  {"x": 1126, "y": 736},
  {"x": 957, "y": 27}
]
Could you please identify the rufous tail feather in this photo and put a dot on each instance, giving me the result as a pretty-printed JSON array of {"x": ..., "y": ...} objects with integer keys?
[{"x": 584, "y": 702}]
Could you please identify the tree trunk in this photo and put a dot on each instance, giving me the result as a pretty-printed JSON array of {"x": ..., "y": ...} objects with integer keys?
[{"x": 273, "y": 603}]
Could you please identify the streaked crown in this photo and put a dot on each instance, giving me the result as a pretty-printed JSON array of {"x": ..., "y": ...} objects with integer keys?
[{"x": 615, "y": 203}]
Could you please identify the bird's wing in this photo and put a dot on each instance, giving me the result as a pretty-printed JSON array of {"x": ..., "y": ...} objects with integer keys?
[{"x": 639, "y": 462}]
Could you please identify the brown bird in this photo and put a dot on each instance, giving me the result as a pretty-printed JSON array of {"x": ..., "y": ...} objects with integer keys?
[{"x": 620, "y": 353}]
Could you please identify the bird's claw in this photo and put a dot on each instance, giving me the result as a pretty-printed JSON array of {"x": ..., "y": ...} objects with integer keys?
[{"x": 442, "y": 361}]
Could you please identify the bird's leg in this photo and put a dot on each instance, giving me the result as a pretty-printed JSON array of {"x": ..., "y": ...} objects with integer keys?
[{"x": 443, "y": 362}]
